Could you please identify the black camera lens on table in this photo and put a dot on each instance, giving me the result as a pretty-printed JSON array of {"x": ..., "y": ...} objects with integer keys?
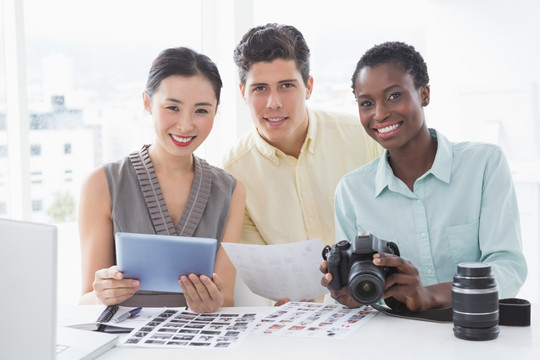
[
  {"x": 351, "y": 263},
  {"x": 475, "y": 302}
]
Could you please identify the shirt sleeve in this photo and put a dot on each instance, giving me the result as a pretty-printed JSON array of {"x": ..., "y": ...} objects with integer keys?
[
  {"x": 250, "y": 233},
  {"x": 345, "y": 218},
  {"x": 499, "y": 226}
]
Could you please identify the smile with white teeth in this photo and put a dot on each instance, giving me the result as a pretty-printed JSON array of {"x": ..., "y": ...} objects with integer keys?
[
  {"x": 275, "y": 119},
  {"x": 388, "y": 129},
  {"x": 182, "y": 139}
]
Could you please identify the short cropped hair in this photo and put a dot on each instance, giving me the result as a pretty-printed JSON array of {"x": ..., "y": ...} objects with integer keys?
[
  {"x": 270, "y": 42},
  {"x": 397, "y": 53}
]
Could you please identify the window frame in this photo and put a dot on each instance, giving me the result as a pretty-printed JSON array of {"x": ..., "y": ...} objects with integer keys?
[{"x": 19, "y": 204}]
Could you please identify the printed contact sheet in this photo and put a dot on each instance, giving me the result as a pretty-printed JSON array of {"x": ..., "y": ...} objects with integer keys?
[
  {"x": 308, "y": 319},
  {"x": 173, "y": 328},
  {"x": 181, "y": 329}
]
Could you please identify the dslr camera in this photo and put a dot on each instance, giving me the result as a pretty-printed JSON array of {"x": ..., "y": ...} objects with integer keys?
[{"x": 351, "y": 263}]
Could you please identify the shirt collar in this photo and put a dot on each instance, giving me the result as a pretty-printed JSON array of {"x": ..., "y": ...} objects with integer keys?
[
  {"x": 441, "y": 168},
  {"x": 274, "y": 154},
  {"x": 442, "y": 165}
]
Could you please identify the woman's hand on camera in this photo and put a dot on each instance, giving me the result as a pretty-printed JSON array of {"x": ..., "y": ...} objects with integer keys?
[
  {"x": 342, "y": 295},
  {"x": 405, "y": 285},
  {"x": 111, "y": 288},
  {"x": 202, "y": 293}
]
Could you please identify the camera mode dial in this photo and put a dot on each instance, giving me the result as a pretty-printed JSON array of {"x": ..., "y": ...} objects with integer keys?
[{"x": 343, "y": 245}]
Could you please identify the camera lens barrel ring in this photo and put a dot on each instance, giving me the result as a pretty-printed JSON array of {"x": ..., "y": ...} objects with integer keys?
[{"x": 366, "y": 282}]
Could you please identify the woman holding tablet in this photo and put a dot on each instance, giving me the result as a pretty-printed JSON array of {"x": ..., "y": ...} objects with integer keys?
[{"x": 164, "y": 189}]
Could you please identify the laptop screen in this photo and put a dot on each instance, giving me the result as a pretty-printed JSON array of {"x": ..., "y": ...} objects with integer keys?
[{"x": 28, "y": 290}]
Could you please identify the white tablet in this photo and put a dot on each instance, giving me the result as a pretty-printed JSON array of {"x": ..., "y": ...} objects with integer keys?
[{"x": 158, "y": 261}]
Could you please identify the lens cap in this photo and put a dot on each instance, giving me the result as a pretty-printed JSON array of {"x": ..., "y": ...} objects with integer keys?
[{"x": 474, "y": 269}]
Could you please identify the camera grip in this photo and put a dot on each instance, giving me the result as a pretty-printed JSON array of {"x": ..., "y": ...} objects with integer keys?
[{"x": 334, "y": 261}]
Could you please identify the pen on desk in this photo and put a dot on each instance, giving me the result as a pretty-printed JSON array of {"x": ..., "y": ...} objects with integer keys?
[{"x": 127, "y": 314}]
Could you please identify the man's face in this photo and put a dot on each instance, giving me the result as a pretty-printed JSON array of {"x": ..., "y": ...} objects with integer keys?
[{"x": 276, "y": 95}]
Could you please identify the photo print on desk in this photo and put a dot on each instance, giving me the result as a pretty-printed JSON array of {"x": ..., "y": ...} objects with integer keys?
[
  {"x": 186, "y": 329},
  {"x": 317, "y": 320}
]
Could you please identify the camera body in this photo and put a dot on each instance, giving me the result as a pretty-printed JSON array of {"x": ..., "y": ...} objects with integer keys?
[{"x": 351, "y": 263}]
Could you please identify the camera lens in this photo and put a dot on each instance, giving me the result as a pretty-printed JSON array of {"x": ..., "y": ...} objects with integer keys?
[
  {"x": 366, "y": 289},
  {"x": 475, "y": 302},
  {"x": 366, "y": 282}
]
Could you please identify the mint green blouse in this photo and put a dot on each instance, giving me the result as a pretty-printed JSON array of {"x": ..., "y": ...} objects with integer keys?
[{"x": 463, "y": 209}]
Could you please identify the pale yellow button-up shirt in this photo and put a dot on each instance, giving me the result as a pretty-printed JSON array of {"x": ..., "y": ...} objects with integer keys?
[{"x": 289, "y": 199}]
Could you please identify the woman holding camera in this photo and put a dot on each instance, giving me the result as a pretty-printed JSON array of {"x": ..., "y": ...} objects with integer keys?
[{"x": 442, "y": 203}]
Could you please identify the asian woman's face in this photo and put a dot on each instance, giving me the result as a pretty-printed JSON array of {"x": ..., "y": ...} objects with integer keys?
[
  {"x": 390, "y": 105},
  {"x": 183, "y": 109}
]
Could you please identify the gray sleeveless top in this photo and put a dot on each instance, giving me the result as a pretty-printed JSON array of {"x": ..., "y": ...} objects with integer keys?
[{"x": 138, "y": 206}]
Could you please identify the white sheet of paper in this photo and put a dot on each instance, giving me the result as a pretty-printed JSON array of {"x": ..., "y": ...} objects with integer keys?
[{"x": 280, "y": 271}]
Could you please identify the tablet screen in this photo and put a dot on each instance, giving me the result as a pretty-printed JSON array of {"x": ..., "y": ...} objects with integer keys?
[{"x": 158, "y": 261}]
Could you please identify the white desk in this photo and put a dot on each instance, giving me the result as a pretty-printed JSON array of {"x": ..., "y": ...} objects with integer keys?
[{"x": 383, "y": 337}]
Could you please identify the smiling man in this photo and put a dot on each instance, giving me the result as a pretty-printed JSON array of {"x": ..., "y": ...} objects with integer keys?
[{"x": 291, "y": 162}]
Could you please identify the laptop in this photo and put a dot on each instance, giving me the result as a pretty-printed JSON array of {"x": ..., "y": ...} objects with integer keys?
[{"x": 28, "y": 276}]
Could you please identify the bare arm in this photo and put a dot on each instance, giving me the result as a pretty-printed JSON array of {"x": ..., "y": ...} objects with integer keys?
[
  {"x": 101, "y": 282},
  {"x": 224, "y": 267}
]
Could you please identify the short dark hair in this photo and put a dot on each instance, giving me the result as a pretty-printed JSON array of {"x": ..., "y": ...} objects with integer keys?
[
  {"x": 269, "y": 42},
  {"x": 399, "y": 53},
  {"x": 184, "y": 62}
]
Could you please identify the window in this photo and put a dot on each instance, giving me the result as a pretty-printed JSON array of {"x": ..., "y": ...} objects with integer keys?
[
  {"x": 35, "y": 150},
  {"x": 68, "y": 175},
  {"x": 84, "y": 87},
  {"x": 4, "y": 162},
  {"x": 37, "y": 205}
]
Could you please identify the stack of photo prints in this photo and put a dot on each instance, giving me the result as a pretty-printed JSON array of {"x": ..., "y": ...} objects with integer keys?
[{"x": 185, "y": 329}]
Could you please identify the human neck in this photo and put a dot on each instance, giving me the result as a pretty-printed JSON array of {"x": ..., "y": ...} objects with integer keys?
[
  {"x": 291, "y": 148},
  {"x": 411, "y": 163},
  {"x": 164, "y": 162}
]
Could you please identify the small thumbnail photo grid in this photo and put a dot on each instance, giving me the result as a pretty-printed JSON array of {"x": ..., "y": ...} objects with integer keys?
[
  {"x": 303, "y": 319},
  {"x": 185, "y": 329}
]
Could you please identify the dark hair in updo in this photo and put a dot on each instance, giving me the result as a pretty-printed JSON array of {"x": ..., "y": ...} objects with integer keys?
[{"x": 184, "y": 62}]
